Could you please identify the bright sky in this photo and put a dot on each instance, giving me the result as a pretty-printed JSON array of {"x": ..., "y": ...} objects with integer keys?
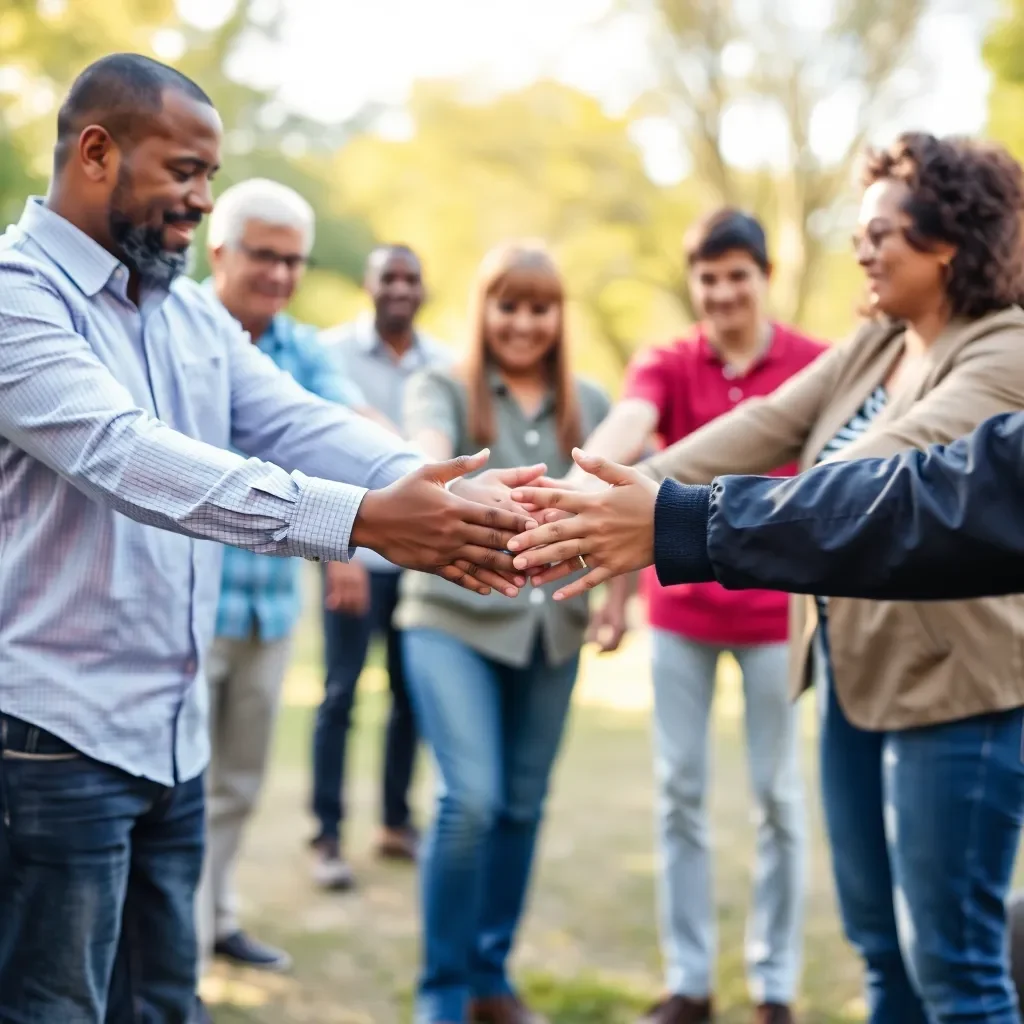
[{"x": 338, "y": 55}]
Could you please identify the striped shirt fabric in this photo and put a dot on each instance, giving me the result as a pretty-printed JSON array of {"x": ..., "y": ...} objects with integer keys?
[{"x": 115, "y": 417}]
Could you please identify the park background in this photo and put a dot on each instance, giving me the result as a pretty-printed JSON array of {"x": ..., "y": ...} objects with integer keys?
[{"x": 604, "y": 127}]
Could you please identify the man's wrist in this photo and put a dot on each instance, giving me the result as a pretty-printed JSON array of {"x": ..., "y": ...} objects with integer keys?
[{"x": 363, "y": 533}]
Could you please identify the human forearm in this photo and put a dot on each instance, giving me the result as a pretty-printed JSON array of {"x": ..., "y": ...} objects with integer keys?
[
  {"x": 620, "y": 438},
  {"x": 942, "y": 524}
]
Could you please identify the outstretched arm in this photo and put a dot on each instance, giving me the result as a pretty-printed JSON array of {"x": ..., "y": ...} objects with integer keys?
[{"x": 940, "y": 524}]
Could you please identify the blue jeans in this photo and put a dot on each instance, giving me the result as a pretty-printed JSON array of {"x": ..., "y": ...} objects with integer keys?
[
  {"x": 98, "y": 873},
  {"x": 924, "y": 826},
  {"x": 495, "y": 731},
  {"x": 346, "y": 641}
]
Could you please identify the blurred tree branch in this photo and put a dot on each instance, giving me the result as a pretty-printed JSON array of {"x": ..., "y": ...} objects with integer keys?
[{"x": 714, "y": 57}]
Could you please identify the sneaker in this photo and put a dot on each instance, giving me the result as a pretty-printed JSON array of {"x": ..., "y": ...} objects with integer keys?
[
  {"x": 773, "y": 1013},
  {"x": 398, "y": 843},
  {"x": 330, "y": 870},
  {"x": 507, "y": 1009},
  {"x": 679, "y": 1010},
  {"x": 246, "y": 951}
]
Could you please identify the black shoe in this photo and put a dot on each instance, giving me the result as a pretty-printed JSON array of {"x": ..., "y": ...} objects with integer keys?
[
  {"x": 200, "y": 1014},
  {"x": 240, "y": 949}
]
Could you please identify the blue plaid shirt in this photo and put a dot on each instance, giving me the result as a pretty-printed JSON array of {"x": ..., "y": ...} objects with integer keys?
[{"x": 260, "y": 594}]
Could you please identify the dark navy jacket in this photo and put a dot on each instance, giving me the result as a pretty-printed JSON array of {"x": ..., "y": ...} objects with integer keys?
[{"x": 939, "y": 524}]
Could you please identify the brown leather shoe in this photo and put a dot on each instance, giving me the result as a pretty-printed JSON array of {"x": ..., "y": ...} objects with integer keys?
[
  {"x": 503, "y": 1010},
  {"x": 398, "y": 843},
  {"x": 679, "y": 1010},
  {"x": 773, "y": 1013}
]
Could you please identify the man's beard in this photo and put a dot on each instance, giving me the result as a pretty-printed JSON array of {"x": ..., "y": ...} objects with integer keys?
[{"x": 142, "y": 247}]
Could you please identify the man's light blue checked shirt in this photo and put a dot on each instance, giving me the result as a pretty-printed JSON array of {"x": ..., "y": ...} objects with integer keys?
[
  {"x": 116, "y": 419},
  {"x": 260, "y": 595}
]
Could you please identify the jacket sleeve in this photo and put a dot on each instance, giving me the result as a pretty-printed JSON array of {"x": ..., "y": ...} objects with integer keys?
[{"x": 946, "y": 523}]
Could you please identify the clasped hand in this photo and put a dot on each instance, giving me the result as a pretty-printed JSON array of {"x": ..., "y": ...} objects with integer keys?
[{"x": 496, "y": 529}]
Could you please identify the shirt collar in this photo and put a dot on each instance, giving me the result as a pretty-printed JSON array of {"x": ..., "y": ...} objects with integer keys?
[
  {"x": 369, "y": 340},
  {"x": 84, "y": 260},
  {"x": 497, "y": 384},
  {"x": 278, "y": 330},
  {"x": 767, "y": 354}
]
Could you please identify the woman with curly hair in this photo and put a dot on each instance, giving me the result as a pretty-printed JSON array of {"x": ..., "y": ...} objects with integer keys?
[{"x": 922, "y": 704}]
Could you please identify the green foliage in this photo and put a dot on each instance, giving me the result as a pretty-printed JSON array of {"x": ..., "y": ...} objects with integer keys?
[
  {"x": 41, "y": 53},
  {"x": 1004, "y": 56},
  {"x": 545, "y": 161}
]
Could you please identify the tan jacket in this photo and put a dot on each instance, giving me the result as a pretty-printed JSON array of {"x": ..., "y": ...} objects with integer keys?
[{"x": 896, "y": 664}]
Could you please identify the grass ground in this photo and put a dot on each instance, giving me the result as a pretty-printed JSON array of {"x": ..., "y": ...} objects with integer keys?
[{"x": 588, "y": 952}]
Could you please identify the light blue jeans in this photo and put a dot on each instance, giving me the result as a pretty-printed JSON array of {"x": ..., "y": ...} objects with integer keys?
[
  {"x": 494, "y": 731},
  {"x": 684, "y": 684}
]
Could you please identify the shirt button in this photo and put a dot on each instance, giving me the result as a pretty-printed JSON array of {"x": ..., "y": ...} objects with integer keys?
[
  {"x": 191, "y": 666},
  {"x": 532, "y": 438},
  {"x": 537, "y": 596},
  {"x": 735, "y": 394}
]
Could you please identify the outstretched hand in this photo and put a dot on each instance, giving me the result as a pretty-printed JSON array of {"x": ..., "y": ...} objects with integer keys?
[
  {"x": 461, "y": 534},
  {"x": 609, "y": 532}
]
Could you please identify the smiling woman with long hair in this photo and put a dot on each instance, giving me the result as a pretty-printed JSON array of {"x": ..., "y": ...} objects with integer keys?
[{"x": 491, "y": 678}]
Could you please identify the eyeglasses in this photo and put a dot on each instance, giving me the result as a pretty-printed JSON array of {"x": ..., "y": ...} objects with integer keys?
[
  {"x": 270, "y": 258},
  {"x": 875, "y": 235}
]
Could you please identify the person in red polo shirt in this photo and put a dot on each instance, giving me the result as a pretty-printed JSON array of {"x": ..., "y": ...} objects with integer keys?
[{"x": 734, "y": 353}]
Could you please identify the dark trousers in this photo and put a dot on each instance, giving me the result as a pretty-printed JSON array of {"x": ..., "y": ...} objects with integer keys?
[
  {"x": 98, "y": 875},
  {"x": 346, "y": 641}
]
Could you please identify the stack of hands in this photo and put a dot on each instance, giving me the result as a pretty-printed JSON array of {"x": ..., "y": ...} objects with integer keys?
[{"x": 503, "y": 529}]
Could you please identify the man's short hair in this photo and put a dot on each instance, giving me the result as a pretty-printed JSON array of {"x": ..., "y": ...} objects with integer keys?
[
  {"x": 121, "y": 92},
  {"x": 382, "y": 253},
  {"x": 725, "y": 231},
  {"x": 264, "y": 200}
]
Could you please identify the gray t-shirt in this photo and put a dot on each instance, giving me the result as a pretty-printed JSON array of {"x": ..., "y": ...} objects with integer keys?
[{"x": 498, "y": 627}]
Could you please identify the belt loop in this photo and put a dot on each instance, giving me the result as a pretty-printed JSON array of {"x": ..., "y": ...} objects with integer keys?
[
  {"x": 32, "y": 739},
  {"x": 3, "y": 732}
]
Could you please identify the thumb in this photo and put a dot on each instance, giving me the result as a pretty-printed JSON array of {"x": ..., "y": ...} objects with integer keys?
[
  {"x": 610, "y": 472},
  {"x": 444, "y": 472}
]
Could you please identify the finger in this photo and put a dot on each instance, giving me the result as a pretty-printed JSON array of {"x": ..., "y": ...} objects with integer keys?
[
  {"x": 539, "y": 575},
  {"x": 490, "y": 578},
  {"x": 492, "y": 516},
  {"x": 593, "y": 579},
  {"x": 609, "y": 472},
  {"x": 521, "y": 475},
  {"x": 485, "y": 537},
  {"x": 554, "y": 514},
  {"x": 443, "y": 472},
  {"x": 547, "y": 497},
  {"x": 454, "y": 574},
  {"x": 549, "y": 554},
  {"x": 498, "y": 562},
  {"x": 575, "y": 528}
]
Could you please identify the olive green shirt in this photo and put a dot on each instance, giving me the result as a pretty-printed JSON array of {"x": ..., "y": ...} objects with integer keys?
[{"x": 502, "y": 628}]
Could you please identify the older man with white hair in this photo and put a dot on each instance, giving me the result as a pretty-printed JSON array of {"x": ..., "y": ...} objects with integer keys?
[{"x": 261, "y": 233}]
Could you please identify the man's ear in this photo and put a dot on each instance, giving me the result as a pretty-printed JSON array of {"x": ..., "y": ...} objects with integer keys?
[{"x": 98, "y": 154}]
